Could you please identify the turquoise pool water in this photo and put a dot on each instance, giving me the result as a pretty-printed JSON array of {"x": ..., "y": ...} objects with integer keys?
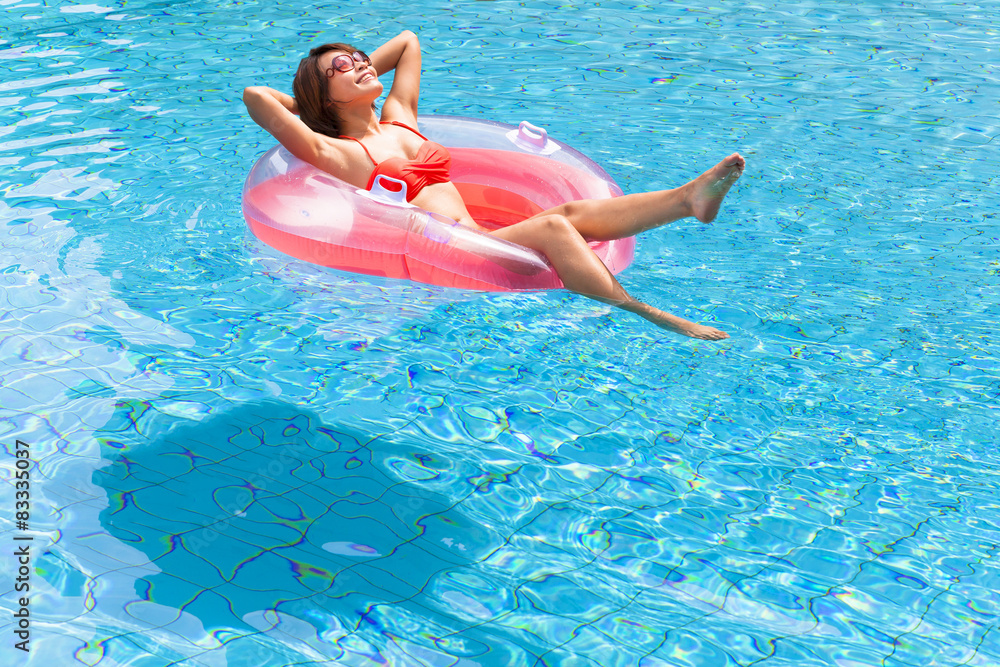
[{"x": 245, "y": 460}]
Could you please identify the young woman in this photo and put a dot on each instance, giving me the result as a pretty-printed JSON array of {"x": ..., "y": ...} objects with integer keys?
[{"x": 332, "y": 123}]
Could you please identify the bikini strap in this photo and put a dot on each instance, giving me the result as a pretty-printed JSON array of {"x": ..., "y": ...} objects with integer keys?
[
  {"x": 395, "y": 122},
  {"x": 344, "y": 136}
]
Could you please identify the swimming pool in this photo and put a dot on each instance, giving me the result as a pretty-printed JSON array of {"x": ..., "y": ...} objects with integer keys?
[{"x": 245, "y": 460}]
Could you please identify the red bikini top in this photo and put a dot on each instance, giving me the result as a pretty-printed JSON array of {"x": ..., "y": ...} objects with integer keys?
[{"x": 432, "y": 164}]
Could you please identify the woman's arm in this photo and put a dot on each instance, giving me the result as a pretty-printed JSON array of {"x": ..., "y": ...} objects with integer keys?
[
  {"x": 275, "y": 112},
  {"x": 401, "y": 53},
  {"x": 287, "y": 101}
]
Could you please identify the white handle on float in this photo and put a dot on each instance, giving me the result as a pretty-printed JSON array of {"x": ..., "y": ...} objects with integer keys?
[
  {"x": 383, "y": 195},
  {"x": 532, "y": 139},
  {"x": 394, "y": 197},
  {"x": 531, "y": 134}
]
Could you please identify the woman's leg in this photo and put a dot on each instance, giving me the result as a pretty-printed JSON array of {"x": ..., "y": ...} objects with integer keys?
[
  {"x": 620, "y": 217},
  {"x": 582, "y": 271}
]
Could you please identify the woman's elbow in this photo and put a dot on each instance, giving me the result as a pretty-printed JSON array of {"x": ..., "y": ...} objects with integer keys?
[{"x": 250, "y": 93}]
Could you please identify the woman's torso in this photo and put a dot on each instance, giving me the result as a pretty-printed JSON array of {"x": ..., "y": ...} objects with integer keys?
[{"x": 391, "y": 143}]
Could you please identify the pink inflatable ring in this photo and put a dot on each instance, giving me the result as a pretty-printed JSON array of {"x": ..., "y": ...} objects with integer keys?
[{"x": 504, "y": 173}]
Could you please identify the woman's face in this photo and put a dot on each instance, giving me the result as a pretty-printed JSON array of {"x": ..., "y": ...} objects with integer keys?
[{"x": 358, "y": 82}]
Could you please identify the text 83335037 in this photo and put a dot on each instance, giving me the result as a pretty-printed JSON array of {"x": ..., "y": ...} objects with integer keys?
[{"x": 22, "y": 550}]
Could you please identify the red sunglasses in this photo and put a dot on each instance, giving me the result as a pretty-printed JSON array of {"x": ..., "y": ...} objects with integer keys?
[{"x": 345, "y": 63}]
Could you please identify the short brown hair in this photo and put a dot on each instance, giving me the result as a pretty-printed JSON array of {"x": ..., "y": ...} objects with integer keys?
[{"x": 311, "y": 91}]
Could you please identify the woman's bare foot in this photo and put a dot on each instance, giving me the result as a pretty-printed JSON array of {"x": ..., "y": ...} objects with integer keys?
[
  {"x": 689, "y": 329},
  {"x": 709, "y": 189},
  {"x": 698, "y": 331},
  {"x": 665, "y": 320}
]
